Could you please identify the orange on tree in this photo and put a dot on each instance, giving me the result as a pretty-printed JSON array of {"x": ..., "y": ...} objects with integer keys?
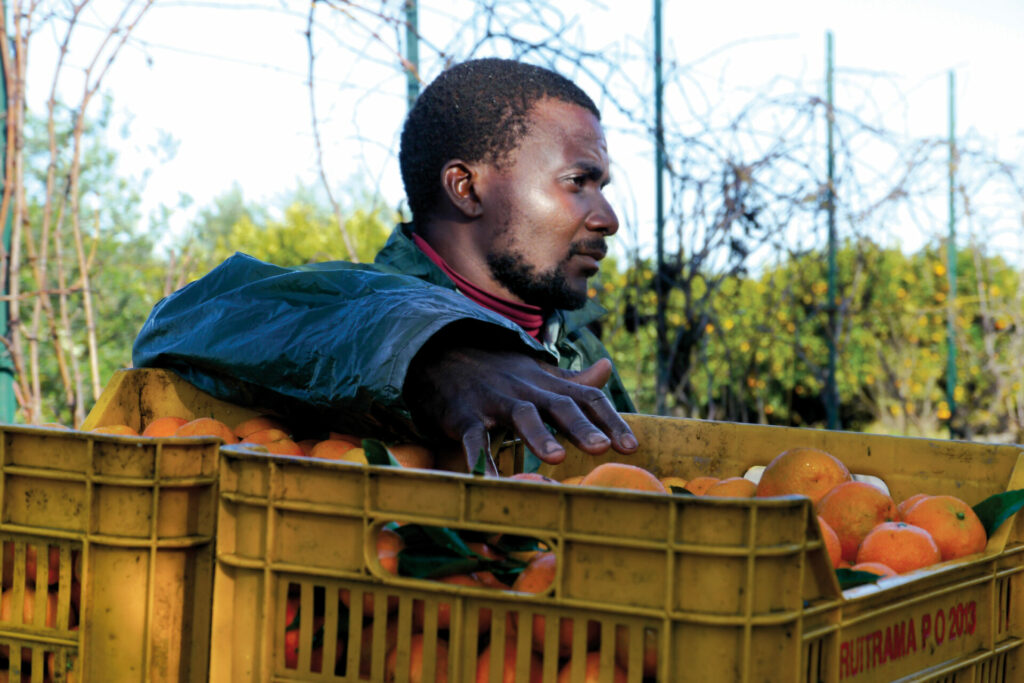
[
  {"x": 874, "y": 568},
  {"x": 904, "y": 506},
  {"x": 832, "y": 544},
  {"x": 952, "y": 523},
  {"x": 592, "y": 669},
  {"x": 417, "y": 661},
  {"x": 163, "y": 426},
  {"x": 902, "y": 547},
  {"x": 534, "y": 670},
  {"x": 852, "y": 509},
  {"x": 620, "y": 475},
  {"x": 207, "y": 426},
  {"x": 732, "y": 487},
  {"x": 698, "y": 486},
  {"x": 806, "y": 471}
]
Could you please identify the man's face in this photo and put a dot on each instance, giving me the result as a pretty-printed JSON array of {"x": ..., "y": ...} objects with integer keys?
[{"x": 546, "y": 216}]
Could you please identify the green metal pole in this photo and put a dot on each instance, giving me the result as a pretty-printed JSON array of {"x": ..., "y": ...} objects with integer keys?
[
  {"x": 8, "y": 406},
  {"x": 831, "y": 387},
  {"x": 951, "y": 261},
  {"x": 412, "y": 51},
  {"x": 659, "y": 210}
]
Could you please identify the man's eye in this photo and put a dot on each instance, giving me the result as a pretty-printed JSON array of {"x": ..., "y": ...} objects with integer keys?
[{"x": 578, "y": 180}]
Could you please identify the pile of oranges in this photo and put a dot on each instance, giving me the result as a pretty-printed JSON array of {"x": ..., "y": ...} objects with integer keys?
[
  {"x": 863, "y": 527},
  {"x": 269, "y": 434}
]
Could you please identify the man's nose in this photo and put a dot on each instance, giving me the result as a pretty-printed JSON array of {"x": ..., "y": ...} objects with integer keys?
[{"x": 602, "y": 218}]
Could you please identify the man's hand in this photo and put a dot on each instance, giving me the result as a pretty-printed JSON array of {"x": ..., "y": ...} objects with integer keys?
[{"x": 462, "y": 392}]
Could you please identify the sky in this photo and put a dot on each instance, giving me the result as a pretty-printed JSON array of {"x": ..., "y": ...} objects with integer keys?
[{"x": 228, "y": 81}]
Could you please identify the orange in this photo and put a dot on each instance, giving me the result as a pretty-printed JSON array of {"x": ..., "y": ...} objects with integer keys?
[
  {"x": 412, "y": 455},
  {"x": 444, "y": 608},
  {"x": 535, "y": 669},
  {"x": 592, "y": 669},
  {"x": 698, "y": 486},
  {"x": 650, "y": 657},
  {"x": 119, "y": 430},
  {"x": 538, "y": 575},
  {"x": 331, "y": 449},
  {"x": 28, "y": 614},
  {"x": 670, "y": 481},
  {"x": 805, "y": 471},
  {"x": 53, "y": 425},
  {"x": 207, "y": 426},
  {"x": 163, "y": 426},
  {"x": 832, "y": 544},
  {"x": 901, "y": 546},
  {"x": 256, "y": 424},
  {"x": 573, "y": 481},
  {"x": 52, "y": 572},
  {"x": 874, "y": 568},
  {"x": 622, "y": 476},
  {"x": 284, "y": 447},
  {"x": 732, "y": 487},
  {"x": 852, "y": 509},
  {"x": 266, "y": 435},
  {"x": 416, "y": 661},
  {"x": 389, "y": 545},
  {"x": 952, "y": 523},
  {"x": 366, "y": 649},
  {"x": 904, "y": 507},
  {"x": 307, "y": 445},
  {"x": 337, "y": 436}
]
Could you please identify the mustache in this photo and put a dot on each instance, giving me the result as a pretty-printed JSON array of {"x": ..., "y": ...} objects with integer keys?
[{"x": 590, "y": 247}]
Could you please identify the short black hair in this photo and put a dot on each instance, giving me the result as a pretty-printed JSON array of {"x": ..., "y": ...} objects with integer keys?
[{"x": 476, "y": 111}]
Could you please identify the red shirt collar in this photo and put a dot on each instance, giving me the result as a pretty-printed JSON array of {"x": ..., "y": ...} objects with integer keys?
[{"x": 530, "y": 318}]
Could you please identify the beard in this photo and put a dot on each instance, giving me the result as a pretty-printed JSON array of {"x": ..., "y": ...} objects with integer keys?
[{"x": 548, "y": 289}]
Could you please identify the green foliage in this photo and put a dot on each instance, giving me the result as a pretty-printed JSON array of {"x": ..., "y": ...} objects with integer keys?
[{"x": 762, "y": 351}]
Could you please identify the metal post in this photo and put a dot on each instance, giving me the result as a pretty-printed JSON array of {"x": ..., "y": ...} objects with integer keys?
[
  {"x": 659, "y": 203},
  {"x": 951, "y": 262},
  {"x": 8, "y": 405},
  {"x": 831, "y": 386},
  {"x": 412, "y": 51}
]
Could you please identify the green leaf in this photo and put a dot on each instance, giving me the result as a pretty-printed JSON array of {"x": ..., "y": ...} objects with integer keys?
[
  {"x": 996, "y": 509},
  {"x": 378, "y": 454},
  {"x": 849, "y": 578},
  {"x": 481, "y": 463}
]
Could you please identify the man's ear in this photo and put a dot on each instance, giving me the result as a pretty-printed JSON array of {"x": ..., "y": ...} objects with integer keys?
[{"x": 459, "y": 180}]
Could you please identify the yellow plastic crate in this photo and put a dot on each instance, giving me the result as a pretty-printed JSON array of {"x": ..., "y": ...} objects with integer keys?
[
  {"x": 724, "y": 590},
  {"x": 130, "y": 523}
]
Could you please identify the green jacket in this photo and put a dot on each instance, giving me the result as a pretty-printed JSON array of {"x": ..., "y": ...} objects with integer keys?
[{"x": 330, "y": 343}]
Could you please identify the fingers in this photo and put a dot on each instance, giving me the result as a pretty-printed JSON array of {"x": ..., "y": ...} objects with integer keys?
[{"x": 476, "y": 444}]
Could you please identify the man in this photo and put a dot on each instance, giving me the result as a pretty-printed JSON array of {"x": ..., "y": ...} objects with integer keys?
[{"x": 472, "y": 319}]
